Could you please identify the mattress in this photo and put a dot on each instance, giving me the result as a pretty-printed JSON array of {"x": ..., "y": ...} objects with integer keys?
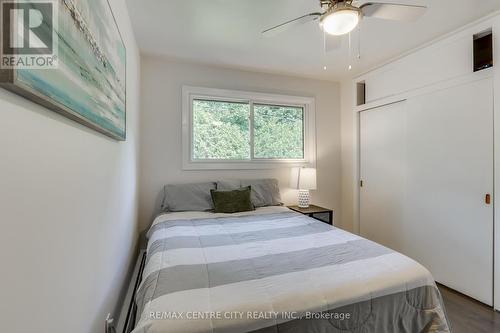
[{"x": 274, "y": 270}]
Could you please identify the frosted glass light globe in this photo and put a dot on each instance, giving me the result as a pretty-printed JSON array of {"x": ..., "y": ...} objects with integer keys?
[{"x": 340, "y": 22}]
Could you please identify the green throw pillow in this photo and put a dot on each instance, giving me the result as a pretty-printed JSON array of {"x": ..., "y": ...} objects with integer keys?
[{"x": 232, "y": 201}]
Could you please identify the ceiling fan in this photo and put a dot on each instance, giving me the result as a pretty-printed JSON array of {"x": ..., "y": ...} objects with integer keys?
[{"x": 339, "y": 17}]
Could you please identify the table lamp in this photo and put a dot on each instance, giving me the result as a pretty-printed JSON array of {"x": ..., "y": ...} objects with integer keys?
[{"x": 304, "y": 180}]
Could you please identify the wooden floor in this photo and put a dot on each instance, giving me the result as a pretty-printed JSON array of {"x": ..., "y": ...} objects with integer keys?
[{"x": 467, "y": 315}]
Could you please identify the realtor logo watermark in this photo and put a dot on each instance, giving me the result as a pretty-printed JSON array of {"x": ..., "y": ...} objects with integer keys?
[{"x": 28, "y": 38}]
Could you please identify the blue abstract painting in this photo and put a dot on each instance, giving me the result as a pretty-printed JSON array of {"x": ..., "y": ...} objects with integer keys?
[{"x": 89, "y": 84}]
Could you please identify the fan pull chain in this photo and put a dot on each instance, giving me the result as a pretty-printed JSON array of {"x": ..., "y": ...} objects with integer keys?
[
  {"x": 350, "y": 65},
  {"x": 324, "y": 50},
  {"x": 359, "y": 41}
]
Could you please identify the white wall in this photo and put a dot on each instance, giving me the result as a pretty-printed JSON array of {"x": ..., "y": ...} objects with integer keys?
[
  {"x": 68, "y": 207},
  {"x": 161, "y": 158}
]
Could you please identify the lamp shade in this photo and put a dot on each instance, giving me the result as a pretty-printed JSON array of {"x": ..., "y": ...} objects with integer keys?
[
  {"x": 303, "y": 179},
  {"x": 340, "y": 22}
]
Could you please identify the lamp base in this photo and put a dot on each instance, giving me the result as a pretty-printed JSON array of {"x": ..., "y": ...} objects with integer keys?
[{"x": 304, "y": 199}]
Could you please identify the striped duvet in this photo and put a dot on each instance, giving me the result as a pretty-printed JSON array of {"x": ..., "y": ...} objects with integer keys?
[{"x": 274, "y": 270}]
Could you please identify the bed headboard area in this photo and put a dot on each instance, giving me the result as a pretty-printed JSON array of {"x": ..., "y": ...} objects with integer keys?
[{"x": 197, "y": 197}]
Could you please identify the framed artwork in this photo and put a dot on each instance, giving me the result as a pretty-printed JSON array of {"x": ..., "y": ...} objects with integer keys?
[{"x": 84, "y": 73}]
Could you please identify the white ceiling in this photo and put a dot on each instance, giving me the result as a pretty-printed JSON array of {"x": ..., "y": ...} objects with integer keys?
[{"x": 227, "y": 33}]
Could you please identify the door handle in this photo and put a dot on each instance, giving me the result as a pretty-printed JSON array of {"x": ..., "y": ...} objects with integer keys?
[{"x": 487, "y": 199}]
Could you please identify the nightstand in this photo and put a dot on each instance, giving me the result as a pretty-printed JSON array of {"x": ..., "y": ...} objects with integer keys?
[{"x": 315, "y": 212}]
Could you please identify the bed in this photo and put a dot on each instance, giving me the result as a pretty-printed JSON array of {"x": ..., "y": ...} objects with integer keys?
[{"x": 275, "y": 270}]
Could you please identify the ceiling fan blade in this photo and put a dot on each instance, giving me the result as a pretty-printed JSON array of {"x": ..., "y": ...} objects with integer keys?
[
  {"x": 332, "y": 43},
  {"x": 292, "y": 23},
  {"x": 393, "y": 11}
]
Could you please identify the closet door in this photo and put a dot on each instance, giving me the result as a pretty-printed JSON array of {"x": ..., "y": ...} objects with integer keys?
[
  {"x": 382, "y": 157},
  {"x": 450, "y": 172},
  {"x": 445, "y": 173}
]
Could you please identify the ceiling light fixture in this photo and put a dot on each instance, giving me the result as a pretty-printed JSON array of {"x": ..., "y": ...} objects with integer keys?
[{"x": 341, "y": 19}]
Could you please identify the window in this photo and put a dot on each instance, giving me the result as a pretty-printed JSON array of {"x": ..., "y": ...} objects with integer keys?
[
  {"x": 278, "y": 132},
  {"x": 221, "y": 130},
  {"x": 225, "y": 129}
]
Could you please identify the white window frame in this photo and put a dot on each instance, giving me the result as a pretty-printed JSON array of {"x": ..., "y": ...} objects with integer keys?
[{"x": 190, "y": 93}]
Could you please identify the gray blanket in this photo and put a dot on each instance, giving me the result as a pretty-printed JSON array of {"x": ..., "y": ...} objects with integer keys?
[{"x": 278, "y": 271}]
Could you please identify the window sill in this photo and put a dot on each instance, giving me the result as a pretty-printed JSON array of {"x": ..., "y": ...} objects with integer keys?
[{"x": 251, "y": 165}]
